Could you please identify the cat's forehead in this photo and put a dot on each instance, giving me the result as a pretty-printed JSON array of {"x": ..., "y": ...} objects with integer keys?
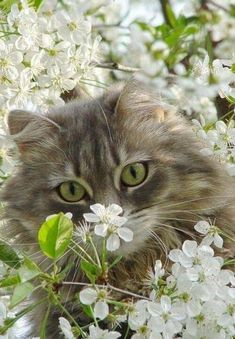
[
  {"x": 87, "y": 135},
  {"x": 92, "y": 138}
]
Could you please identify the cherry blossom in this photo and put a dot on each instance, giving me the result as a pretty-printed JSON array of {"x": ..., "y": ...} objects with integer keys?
[{"x": 109, "y": 224}]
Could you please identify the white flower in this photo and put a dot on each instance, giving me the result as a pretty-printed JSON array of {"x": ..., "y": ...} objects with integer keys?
[
  {"x": 56, "y": 53},
  {"x": 211, "y": 232},
  {"x": 9, "y": 60},
  {"x": 109, "y": 224},
  {"x": 90, "y": 296},
  {"x": 66, "y": 328},
  {"x": 19, "y": 92},
  {"x": 165, "y": 317},
  {"x": 191, "y": 253},
  {"x": 157, "y": 273},
  {"x": 72, "y": 27},
  {"x": 61, "y": 78},
  {"x": 138, "y": 314},
  {"x": 97, "y": 333}
]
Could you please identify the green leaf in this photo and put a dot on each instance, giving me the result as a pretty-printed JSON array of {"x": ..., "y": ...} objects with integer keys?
[
  {"x": 87, "y": 310},
  {"x": 233, "y": 68},
  {"x": 36, "y": 3},
  {"x": 20, "y": 293},
  {"x": 44, "y": 323},
  {"x": 230, "y": 99},
  {"x": 54, "y": 235},
  {"x": 5, "y": 5},
  {"x": 8, "y": 255},
  {"x": 116, "y": 261},
  {"x": 92, "y": 272},
  {"x": 171, "y": 15},
  {"x": 10, "y": 281},
  {"x": 28, "y": 270}
]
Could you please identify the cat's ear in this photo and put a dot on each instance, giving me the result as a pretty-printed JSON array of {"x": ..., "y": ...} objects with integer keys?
[
  {"x": 29, "y": 129},
  {"x": 138, "y": 101}
]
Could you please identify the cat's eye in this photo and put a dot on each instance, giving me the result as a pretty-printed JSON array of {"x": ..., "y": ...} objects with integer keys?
[
  {"x": 134, "y": 174},
  {"x": 71, "y": 191}
]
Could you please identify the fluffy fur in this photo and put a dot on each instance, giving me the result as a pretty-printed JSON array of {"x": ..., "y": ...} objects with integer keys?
[{"x": 92, "y": 141}]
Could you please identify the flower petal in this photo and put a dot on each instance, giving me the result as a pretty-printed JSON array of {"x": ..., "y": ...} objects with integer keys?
[
  {"x": 98, "y": 209},
  {"x": 101, "y": 229},
  {"x": 218, "y": 241},
  {"x": 91, "y": 217},
  {"x": 125, "y": 233},
  {"x": 88, "y": 296},
  {"x": 202, "y": 227},
  {"x": 113, "y": 242},
  {"x": 190, "y": 248},
  {"x": 114, "y": 209},
  {"x": 101, "y": 310}
]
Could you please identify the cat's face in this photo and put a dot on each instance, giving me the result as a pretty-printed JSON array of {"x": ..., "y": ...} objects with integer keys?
[{"x": 125, "y": 148}]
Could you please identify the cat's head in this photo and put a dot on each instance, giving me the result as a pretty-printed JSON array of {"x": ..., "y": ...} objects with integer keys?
[{"x": 126, "y": 147}]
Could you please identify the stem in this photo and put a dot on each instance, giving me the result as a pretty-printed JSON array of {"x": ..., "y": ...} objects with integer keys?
[
  {"x": 95, "y": 252},
  {"x": 44, "y": 323},
  {"x": 116, "y": 67},
  {"x": 95, "y": 320},
  {"x": 91, "y": 84},
  {"x": 106, "y": 286},
  {"x": 164, "y": 4},
  {"x": 127, "y": 331},
  {"x": 218, "y": 5},
  {"x": 228, "y": 236},
  {"x": 97, "y": 81},
  {"x": 20, "y": 315},
  {"x": 229, "y": 262},
  {"x": 70, "y": 317},
  {"x": 110, "y": 26},
  {"x": 104, "y": 255},
  {"x": 83, "y": 251}
]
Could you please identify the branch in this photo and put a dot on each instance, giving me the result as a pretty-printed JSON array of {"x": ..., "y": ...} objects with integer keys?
[
  {"x": 217, "y": 5},
  {"x": 164, "y": 4},
  {"x": 116, "y": 67},
  {"x": 104, "y": 26},
  {"x": 106, "y": 286}
]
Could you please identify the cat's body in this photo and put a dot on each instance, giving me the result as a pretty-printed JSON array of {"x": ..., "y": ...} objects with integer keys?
[{"x": 92, "y": 141}]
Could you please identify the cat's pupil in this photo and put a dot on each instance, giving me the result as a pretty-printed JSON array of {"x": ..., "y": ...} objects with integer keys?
[
  {"x": 133, "y": 172},
  {"x": 72, "y": 188}
]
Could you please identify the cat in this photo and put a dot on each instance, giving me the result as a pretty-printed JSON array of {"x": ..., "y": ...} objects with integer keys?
[{"x": 127, "y": 147}]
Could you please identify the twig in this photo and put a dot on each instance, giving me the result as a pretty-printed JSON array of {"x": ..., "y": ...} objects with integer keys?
[
  {"x": 117, "y": 67},
  {"x": 106, "y": 286},
  {"x": 104, "y": 26},
  {"x": 217, "y": 5},
  {"x": 164, "y": 4}
]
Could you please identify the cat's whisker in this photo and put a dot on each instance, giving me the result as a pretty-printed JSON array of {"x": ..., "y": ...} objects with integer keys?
[
  {"x": 162, "y": 245},
  {"x": 77, "y": 263},
  {"x": 159, "y": 203},
  {"x": 172, "y": 227}
]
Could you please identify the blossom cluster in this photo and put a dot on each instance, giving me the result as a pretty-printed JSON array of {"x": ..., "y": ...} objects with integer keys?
[
  {"x": 196, "y": 300},
  {"x": 44, "y": 53},
  {"x": 199, "y": 83}
]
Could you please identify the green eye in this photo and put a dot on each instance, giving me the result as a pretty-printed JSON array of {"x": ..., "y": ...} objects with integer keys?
[
  {"x": 71, "y": 191},
  {"x": 134, "y": 174}
]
